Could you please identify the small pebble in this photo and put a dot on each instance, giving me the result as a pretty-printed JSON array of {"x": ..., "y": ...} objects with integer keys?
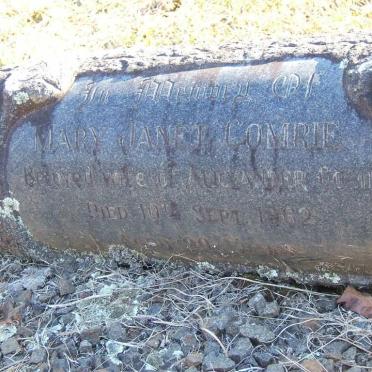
[
  {"x": 115, "y": 331},
  {"x": 263, "y": 358},
  {"x": 59, "y": 365},
  {"x": 10, "y": 346},
  {"x": 65, "y": 287},
  {"x": 25, "y": 332},
  {"x": 350, "y": 353},
  {"x": 192, "y": 369},
  {"x": 217, "y": 362},
  {"x": 271, "y": 310},
  {"x": 154, "y": 341},
  {"x": 193, "y": 360},
  {"x": 257, "y": 303},
  {"x": 257, "y": 333},
  {"x": 354, "y": 369},
  {"x": 336, "y": 348},
  {"x": 38, "y": 356},
  {"x": 240, "y": 349},
  {"x": 325, "y": 304},
  {"x": 275, "y": 368},
  {"x": 85, "y": 347},
  {"x": 155, "y": 360},
  {"x": 92, "y": 335}
]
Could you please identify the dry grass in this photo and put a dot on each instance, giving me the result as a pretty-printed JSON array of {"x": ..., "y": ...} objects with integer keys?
[
  {"x": 192, "y": 295},
  {"x": 33, "y": 29},
  {"x": 189, "y": 297}
]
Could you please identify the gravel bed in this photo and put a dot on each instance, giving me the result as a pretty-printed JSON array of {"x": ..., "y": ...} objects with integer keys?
[{"x": 138, "y": 315}]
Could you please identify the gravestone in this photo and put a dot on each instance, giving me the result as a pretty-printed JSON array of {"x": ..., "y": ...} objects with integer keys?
[{"x": 263, "y": 163}]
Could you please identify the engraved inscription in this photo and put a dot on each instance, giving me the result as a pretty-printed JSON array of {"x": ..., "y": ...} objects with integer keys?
[
  {"x": 365, "y": 180},
  {"x": 217, "y": 215},
  {"x": 286, "y": 85},
  {"x": 155, "y": 90},
  {"x": 155, "y": 211},
  {"x": 81, "y": 139},
  {"x": 171, "y": 176},
  {"x": 288, "y": 215},
  {"x": 192, "y": 137},
  {"x": 97, "y": 211},
  {"x": 176, "y": 91},
  {"x": 218, "y": 162},
  {"x": 284, "y": 136},
  {"x": 94, "y": 94}
]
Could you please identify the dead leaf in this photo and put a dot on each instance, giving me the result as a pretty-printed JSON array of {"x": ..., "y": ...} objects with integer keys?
[
  {"x": 312, "y": 365},
  {"x": 10, "y": 314},
  {"x": 313, "y": 324},
  {"x": 356, "y": 301}
]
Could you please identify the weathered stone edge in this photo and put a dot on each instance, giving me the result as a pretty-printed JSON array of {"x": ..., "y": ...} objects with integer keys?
[
  {"x": 50, "y": 79},
  {"x": 355, "y": 48}
]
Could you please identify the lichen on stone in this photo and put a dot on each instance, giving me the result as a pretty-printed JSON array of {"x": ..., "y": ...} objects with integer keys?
[
  {"x": 21, "y": 97},
  {"x": 113, "y": 349},
  {"x": 267, "y": 272},
  {"x": 7, "y": 331},
  {"x": 9, "y": 206},
  {"x": 331, "y": 277},
  {"x": 206, "y": 266}
]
